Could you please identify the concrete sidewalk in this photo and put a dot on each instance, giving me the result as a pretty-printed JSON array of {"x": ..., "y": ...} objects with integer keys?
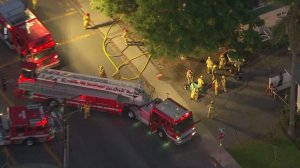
[{"x": 162, "y": 88}]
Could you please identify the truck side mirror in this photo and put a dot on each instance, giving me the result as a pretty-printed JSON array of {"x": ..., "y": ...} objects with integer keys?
[
  {"x": 29, "y": 70},
  {"x": 28, "y": 74}
]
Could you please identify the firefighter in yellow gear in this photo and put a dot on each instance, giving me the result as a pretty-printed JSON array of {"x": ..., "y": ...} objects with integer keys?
[
  {"x": 239, "y": 63},
  {"x": 189, "y": 76},
  {"x": 222, "y": 62},
  {"x": 223, "y": 83},
  {"x": 211, "y": 110},
  {"x": 201, "y": 83},
  {"x": 86, "y": 21},
  {"x": 214, "y": 72},
  {"x": 34, "y": 3},
  {"x": 193, "y": 94},
  {"x": 102, "y": 73},
  {"x": 125, "y": 35},
  {"x": 209, "y": 64},
  {"x": 87, "y": 110},
  {"x": 215, "y": 86}
]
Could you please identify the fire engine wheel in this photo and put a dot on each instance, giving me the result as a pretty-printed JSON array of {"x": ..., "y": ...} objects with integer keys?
[
  {"x": 29, "y": 141},
  {"x": 131, "y": 114},
  {"x": 161, "y": 134}
]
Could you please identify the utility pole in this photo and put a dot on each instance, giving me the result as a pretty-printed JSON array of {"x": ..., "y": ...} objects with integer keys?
[
  {"x": 65, "y": 133},
  {"x": 291, "y": 130},
  {"x": 66, "y": 144},
  {"x": 294, "y": 44},
  {"x": 66, "y": 130}
]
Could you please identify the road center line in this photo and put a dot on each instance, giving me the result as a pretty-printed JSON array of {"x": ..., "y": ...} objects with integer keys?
[
  {"x": 60, "y": 16},
  {"x": 6, "y": 99},
  {"x": 76, "y": 38},
  {"x": 10, "y": 62},
  {"x": 53, "y": 155},
  {"x": 10, "y": 157}
]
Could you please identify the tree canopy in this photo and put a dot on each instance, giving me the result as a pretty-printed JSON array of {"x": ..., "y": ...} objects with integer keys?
[{"x": 174, "y": 27}]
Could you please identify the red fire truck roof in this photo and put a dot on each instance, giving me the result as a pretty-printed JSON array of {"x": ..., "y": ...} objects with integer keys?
[
  {"x": 33, "y": 33},
  {"x": 172, "y": 109},
  {"x": 25, "y": 115}
]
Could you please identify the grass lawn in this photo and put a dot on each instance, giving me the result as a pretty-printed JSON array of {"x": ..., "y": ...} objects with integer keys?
[{"x": 261, "y": 154}]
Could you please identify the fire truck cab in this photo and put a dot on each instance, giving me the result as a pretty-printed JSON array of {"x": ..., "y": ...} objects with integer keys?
[
  {"x": 21, "y": 30},
  {"x": 168, "y": 119},
  {"x": 25, "y": 124}
]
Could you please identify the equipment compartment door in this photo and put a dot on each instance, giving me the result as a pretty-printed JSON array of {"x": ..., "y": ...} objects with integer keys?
[{"x": 154, "y": 122}]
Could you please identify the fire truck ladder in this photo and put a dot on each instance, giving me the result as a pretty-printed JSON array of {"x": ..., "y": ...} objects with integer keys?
[
  {"x": 68, "y": 78},
  {"x": 67, "y": 84},
  {"x": 52, "y": 90}
]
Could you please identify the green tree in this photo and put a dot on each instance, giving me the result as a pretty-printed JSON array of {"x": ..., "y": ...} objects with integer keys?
[
  {"x": 174, "y": 27},
  {"x": 113, "y": 7}
]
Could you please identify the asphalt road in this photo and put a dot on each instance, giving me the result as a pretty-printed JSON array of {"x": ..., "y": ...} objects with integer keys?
[{"x": 104, "y": 140}]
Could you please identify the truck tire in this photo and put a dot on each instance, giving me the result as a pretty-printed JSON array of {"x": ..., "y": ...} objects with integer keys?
[
  {"x": 29, "y": 141},
  {"x": 131, "y": 114},
  {"x": 161, "y": 134}
]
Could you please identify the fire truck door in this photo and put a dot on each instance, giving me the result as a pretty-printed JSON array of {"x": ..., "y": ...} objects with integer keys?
[
  {"x": 19, "y": 45},
  {"x": 154, "y": 122}
]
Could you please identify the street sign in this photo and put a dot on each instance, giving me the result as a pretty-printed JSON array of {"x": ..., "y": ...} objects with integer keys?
[{"x": 221, "y": 136}]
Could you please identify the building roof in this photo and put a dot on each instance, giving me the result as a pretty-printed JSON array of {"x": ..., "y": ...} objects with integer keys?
[{"x": 268, "y": 8}]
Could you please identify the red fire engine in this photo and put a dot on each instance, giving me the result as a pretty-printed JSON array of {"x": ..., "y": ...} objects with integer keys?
[
  {"x": 25, "y": 124},
  {"x": 22, "y": 31},
  {"x": 167, "y": 117}
]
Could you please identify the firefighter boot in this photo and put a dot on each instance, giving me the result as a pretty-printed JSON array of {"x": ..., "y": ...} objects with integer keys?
[
  {"x": 85, "y": 24},
  {"x": 86, "y": 114}
]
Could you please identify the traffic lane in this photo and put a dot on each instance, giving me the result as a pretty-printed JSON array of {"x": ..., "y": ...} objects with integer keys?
[
  {"x": 29, "y": 155},
  {"x": 10, "y": 74},
  {"x": 51, "y": 9},
  {"x": 105, "y": 138},
  {"x": 85, "y": 56},
  {"x": 99, "y": 144},
  {"x": 167, "y": 154},
  {"x": 6, "y": 54},
  {"x": 67, "y": 29}
]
